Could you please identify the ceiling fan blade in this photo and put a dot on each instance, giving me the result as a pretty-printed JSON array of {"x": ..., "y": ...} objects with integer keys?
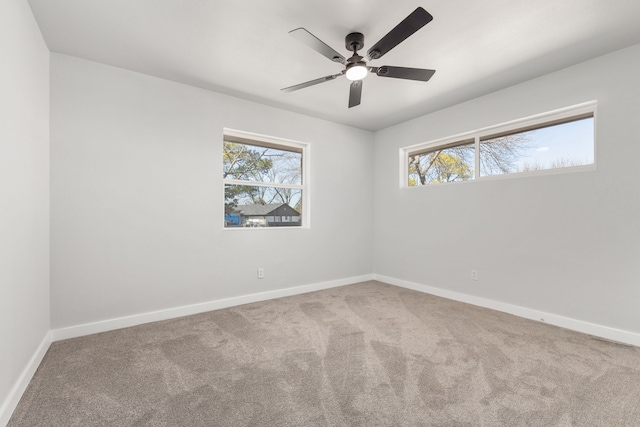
[
  {"x": 420, "y": 74},
  {"x": 412, "y": 23},
  {"x": 310, "y": 83},
  {"x": 316, "y": 44},
  {"x": 355, "y": 93}
]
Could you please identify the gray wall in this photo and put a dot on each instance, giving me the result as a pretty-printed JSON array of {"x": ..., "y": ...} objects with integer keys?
[
  {"x": 24, "y": 193},
  {"x": 567, "y": 244},
  {"x": 136, "y": 201},
  {"x": 137, "y": 197}
]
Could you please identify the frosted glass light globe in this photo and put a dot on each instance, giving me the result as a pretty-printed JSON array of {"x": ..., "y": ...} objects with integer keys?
[{"x": 357, "y": 72}]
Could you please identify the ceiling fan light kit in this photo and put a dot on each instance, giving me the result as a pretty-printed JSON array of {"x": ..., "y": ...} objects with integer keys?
[{"x": 356, "y": 69}]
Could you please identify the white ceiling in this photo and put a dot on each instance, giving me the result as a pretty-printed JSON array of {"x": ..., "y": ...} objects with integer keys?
[{"x": 242, "y": 48}]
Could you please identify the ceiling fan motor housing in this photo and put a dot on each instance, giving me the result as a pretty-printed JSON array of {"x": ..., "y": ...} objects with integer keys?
[{"x": 354, "y": 41}]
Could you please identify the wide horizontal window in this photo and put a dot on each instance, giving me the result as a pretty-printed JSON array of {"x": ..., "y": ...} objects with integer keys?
[
  {"x": 558, "y": 140},
  {"x": 264, "y": 181}
]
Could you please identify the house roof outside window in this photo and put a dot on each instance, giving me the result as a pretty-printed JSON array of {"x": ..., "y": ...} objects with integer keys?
[{"x": 263, "y": 210}]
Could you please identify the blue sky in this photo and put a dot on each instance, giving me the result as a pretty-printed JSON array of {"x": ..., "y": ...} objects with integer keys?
[{"x": 573, "y": 140}]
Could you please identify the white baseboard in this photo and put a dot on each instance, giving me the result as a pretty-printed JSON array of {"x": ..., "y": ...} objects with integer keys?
[
  {"x": 10, "y": 403},
  {"x": 138, "y": 319},
  {"x": 613, "y": 334}
]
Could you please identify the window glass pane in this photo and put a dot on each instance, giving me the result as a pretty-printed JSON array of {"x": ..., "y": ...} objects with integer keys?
[
  {"x": 558, "y": 146},
  {"x": 261, "y": 164},
  {"x": 257, "y": 206},
  {"x": 444, "y": 165}
]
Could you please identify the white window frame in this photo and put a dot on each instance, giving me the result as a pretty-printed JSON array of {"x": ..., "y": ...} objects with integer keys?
[
  {"x": 536, "y": 121},
  {"x": 278, "y": 143}
]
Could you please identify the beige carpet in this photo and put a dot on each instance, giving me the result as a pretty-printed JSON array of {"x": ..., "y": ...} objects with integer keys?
[{"x": 362, "y": 355}]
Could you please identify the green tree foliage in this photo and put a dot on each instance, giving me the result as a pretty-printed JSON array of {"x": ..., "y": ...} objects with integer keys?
[
  {"x": 244, "y": 163},
  {"x": 446, "y": 165},
  {"x": 448, "y": 168}
]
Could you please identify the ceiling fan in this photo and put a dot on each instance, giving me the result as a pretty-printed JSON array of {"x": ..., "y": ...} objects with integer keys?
[{"x": 356, "y": 68}]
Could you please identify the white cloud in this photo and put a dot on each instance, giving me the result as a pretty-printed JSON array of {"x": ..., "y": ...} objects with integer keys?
[{"x": 541, "y": 149}]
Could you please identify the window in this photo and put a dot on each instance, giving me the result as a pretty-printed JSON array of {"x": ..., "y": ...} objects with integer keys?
[
  {"x": 559, "y": 140},
  {"x": 264, "y": 181}
]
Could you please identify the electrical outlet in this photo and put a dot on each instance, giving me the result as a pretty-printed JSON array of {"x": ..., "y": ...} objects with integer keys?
[
  {"x": 261, "y": 273},
  {"x": 474, "y": 274}
]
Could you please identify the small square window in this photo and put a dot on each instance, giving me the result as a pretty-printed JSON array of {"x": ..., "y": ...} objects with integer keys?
[{"x": 264, "y": 181}]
